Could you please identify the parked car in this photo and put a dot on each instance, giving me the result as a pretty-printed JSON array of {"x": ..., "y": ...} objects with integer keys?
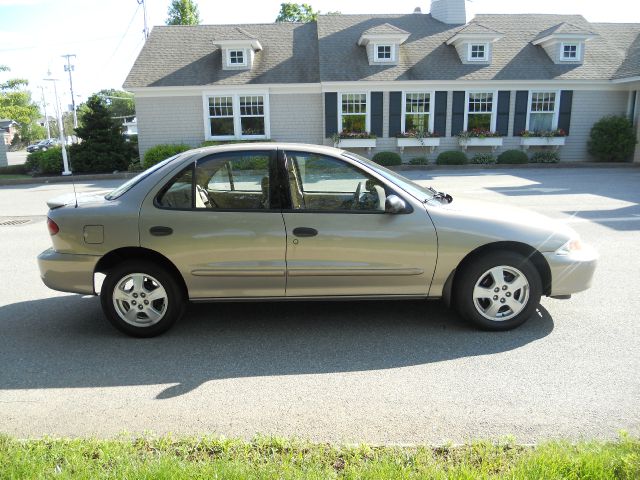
[
  {"x": 292, "y": 221},
  {"x": 43, "y": 145}
]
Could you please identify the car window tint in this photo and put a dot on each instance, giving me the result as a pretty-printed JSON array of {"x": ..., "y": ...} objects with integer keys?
[
  {"x": 234, "y": 181},
  {"x": 322, "y": 183},
  {"x": 178, "y": 193}
]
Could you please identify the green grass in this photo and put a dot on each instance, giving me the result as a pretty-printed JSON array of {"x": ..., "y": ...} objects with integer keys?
[
  {"x": 9, "y": 176},
  {"x": 268, "y": 458}
]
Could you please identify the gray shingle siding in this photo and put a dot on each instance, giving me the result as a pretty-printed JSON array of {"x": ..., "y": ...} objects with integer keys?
[{"x": 296, "y": 117}]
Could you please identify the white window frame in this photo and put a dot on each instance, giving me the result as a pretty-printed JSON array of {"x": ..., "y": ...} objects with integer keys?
[
  {"x": 556, "y": 107},
  {"x": 484, "y": 58},
  {"x": 237, "y": 126},
  {"x": 368, "y": 114},
  {"x": 494, "y": 107},
  {"x": 578, "y": 56},
  {"x": 244, "y": 57},
  {"x": 384, "y": 60},
  {"x": 431, "y": 108}
]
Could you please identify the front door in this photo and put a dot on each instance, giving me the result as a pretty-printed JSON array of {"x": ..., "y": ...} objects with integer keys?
[
  {"x": 340, "y": 240},
  {"x": 215, "y": 222}
]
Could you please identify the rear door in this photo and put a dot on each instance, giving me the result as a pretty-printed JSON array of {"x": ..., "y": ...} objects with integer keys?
[{"x": 340, "y": 240}]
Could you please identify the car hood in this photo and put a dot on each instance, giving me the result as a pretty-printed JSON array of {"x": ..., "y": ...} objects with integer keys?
[
  {"x": 81, "y": 199},
  {"x": 497, "y": 222}
]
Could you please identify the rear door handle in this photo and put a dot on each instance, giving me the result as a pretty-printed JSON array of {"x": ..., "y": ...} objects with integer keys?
[
  {"x": 305, "y": 232},
  {"x": 160, "y": 231}
]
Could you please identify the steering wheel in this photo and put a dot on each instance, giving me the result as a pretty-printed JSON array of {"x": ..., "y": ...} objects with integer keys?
[{"x": 356, "y": 197}]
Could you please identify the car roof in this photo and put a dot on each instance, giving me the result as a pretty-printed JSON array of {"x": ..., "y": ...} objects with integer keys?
[{"x": 239, "y": 147}]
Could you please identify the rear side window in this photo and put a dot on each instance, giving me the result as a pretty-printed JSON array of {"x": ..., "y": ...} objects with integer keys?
[{"x": 178, "y": 194}]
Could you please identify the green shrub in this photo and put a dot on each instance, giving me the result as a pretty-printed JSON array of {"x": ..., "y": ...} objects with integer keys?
[
  {"x": 419, "y": 161},
  {"x": 387, "y": 159},
  {"x": 612, "y": 139},
  {"x": 14, "y": 170},
  {"x": 512, "y": 157},
  {"x": 160, "y": 152},
  {"x": 483, "y": 159},
  {"x": 544, "y": 157},
  {"x": 45, "y": 162},
  {"x": 452, "y": 157},
  {"x": 99, "y": 158}
]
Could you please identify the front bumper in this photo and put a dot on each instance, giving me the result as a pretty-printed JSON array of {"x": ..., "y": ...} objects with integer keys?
[
  {"x": 572, "y": 273},
  {"x": 67, "y": 272}
]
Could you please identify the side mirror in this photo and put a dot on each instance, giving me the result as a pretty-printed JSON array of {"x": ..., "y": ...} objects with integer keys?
[{"x": 394, "y": 204}]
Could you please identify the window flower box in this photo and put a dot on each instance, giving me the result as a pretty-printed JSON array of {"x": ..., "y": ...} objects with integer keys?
[
  {"x": 368, "y": 143},
  {"x": 526, "y": 142},
  {"x": 493, "y": 142},
  {"x": 430, "y": 142}
]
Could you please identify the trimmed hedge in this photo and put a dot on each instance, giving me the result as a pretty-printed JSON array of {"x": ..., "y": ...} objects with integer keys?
[
  {"x": 513, "y": 157},
  {"x": 483, "y": 159},
  {"x": 544, "y": 157},
  {"x": 612, "y": 139},
  {"x": 387, "y": 159},
  {"x": 14, "y": 170},
  {"x": 160, "y": 152},
  {"x": 419, "y": 161},
  {"x": 45, "y": 162},
  {"x": 452, "y": 157}
]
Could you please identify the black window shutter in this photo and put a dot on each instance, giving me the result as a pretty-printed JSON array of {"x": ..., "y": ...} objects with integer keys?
[
  {"x": 395, "y": 113},
  {"x": 457, "y": 113},
  {"x": 502, "y": 122},
  {"x": 520, "y": 114},
  {"x": 330, "y": 113},
  {"x": 564, "y": 118},
  {"x": 376, "y": 113},
  {"x": 440, "y": 114}
]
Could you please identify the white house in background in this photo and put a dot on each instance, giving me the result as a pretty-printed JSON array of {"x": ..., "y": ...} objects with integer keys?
[
  {"x": 131, "y": 127},
  {"x": 389, "y": 74}
]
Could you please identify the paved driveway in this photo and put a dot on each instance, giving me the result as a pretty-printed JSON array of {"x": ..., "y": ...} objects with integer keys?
[{"x": 377, "y": 372}]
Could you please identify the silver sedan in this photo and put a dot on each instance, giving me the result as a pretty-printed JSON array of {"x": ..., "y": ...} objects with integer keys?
[{"x": 290, "y": 221}]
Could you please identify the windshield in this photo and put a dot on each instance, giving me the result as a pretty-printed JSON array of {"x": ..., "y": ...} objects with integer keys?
[
  {"x": 421, "y": 193},
  {"x": 125, "y": 187}
]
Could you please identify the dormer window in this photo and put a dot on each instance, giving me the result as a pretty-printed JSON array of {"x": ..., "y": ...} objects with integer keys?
[
  {"x": 570, "y": 52},
  {"x": 236, "y": 58},
  {"x": 478, "y": 52},
  {"x": 384, "y": 53}
]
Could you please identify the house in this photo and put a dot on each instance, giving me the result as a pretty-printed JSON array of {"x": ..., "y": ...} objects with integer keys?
[
  {"x": 388, "y": 75},
  {"x": 8, "y": 128}
]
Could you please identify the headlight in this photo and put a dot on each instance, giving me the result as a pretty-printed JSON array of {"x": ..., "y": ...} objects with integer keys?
[{"x": 574, "y": 245}]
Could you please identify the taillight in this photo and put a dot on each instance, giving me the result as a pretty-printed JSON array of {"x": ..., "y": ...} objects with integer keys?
[{"x": 52, "y": 226}]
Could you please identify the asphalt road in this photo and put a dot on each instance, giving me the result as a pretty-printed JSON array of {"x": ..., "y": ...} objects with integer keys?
[{"x": 380, "y": 372}]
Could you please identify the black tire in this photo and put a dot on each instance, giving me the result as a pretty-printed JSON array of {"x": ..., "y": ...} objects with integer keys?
[
  {"x": 143, "y": 322},
  {"x": 514, "y": 301}
]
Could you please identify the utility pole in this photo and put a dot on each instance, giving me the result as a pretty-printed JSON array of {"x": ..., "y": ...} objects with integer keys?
[
  {"x": 144, "y": 11},
  {"x": 65, "y": 161},
  {"x": 69, "y": 68},
  {"x": 46, "y": 117}
]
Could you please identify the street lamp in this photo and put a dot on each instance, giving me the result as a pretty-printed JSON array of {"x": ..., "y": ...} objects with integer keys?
[
  {"x": 65, "y": 161},
  {"x": 69, "y": 68}
]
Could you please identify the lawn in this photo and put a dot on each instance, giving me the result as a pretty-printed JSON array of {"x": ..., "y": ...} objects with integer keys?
[
  {"x": 268, "y": 458},
  {"x": 11, "y": 176}
]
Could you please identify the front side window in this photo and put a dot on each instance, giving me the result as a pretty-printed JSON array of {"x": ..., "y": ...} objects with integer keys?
[
  {"x": 237, "y": 58},
  {"x": 479, "y": 111},
  {"x": 417, "y": 108},
  {"x": 477, "y": 52},
  {"x": 384, "y": 53},
  {"x": 353, "y": 116},
  {"x": 542, "y": 115},
  {"x": 237, "y": 116},
  {"x": 569, "y": 51},
  {"x": 327, "y": 184}
]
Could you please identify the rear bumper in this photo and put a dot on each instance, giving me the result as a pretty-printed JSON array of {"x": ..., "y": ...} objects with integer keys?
[
  {"x": 572, "y": 273},
  {"x": 67, "y": 272}
]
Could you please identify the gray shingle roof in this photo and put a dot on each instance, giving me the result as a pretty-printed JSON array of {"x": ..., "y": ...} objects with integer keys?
[
  {"x": 384, "y": 29},
  {"x": 186, "y": 55},
  {"x": 234, "y": 33},
  {"x": 328, "y": 51}
]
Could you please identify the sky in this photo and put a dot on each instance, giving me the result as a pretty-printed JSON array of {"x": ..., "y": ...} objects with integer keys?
[{"x": 106, "y": 35}]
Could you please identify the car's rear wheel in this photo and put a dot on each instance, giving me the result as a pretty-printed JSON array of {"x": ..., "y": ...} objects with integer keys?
[
  {"x": 498, "y": 291},
  {"x": 141, "y": 299}
]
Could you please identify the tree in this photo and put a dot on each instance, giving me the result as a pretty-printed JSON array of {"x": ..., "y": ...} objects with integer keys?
[
  {"x": 183, "y": 12},
  {"x": 103, "y": 148},
  {"x": 119, "y": 102},
  {"x": 16, "y": 104},
  {"x": 296, "y": 12}
]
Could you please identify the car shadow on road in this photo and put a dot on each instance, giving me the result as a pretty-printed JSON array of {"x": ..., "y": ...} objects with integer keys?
[{"x": 64, "y": 342}]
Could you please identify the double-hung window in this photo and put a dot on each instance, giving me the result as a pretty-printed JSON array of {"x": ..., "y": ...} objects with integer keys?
[
  {"x": 477, "y": 52},
  {"x": 353, "y": 112},
  {"x": 542, "y": 111},
  {"x": 237, "y": 116},
  {"x": 570, "y": 52},
  {"x": 417, "y": 112},
  {"x": 480, "y": 111}
]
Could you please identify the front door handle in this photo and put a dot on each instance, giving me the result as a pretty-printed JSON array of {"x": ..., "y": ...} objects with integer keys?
[
  {"x": 160, "y": 231},
  {"x": 305, "y": 232}
]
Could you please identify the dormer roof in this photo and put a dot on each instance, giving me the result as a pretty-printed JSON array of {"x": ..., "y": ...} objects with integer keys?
[
  {"x": 384, "y": 32},
  {"x": 237, "y": 37},
  {"x": 475, "y": 31},
  {"x": 563, "y": 31}
]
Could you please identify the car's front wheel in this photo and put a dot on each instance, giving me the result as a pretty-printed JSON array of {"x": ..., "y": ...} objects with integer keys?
[
  {"x": 498, "y": 291},
  {"x": 141, "y": 299}
]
